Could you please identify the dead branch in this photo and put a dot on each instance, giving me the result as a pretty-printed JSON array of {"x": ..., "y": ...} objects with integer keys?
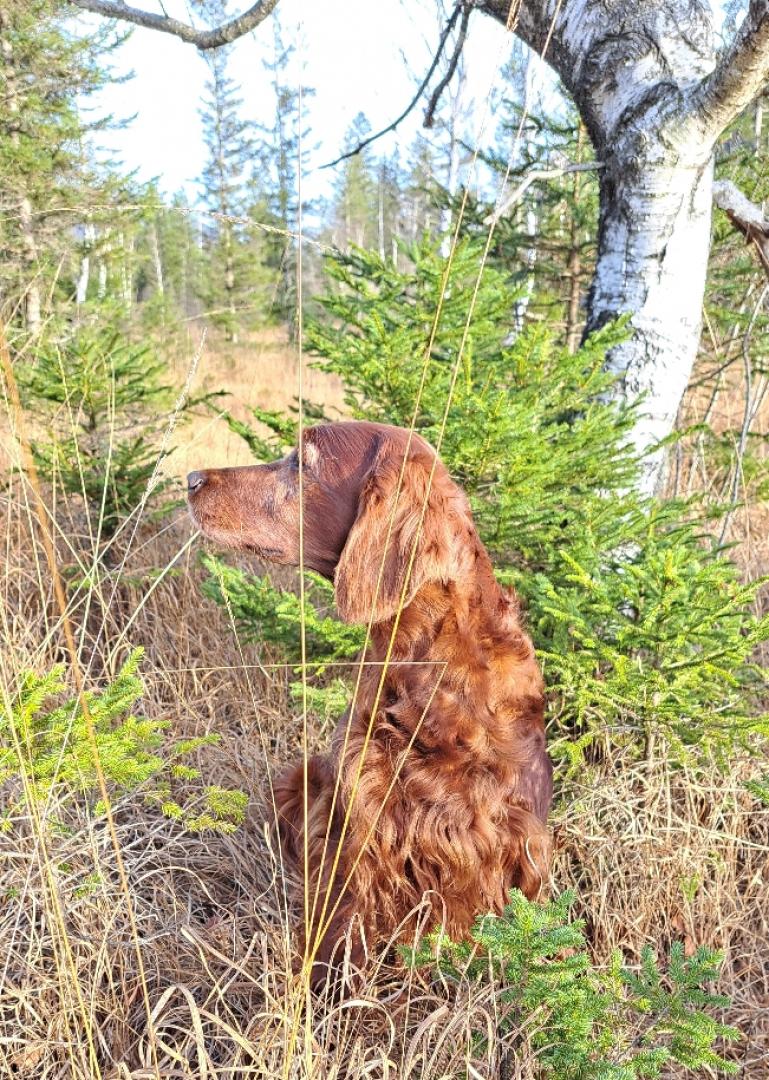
[
  {"x": 531, "y": 177},
  {"x": 745, "y": 216},
  {"x": 212, "y": 38}
]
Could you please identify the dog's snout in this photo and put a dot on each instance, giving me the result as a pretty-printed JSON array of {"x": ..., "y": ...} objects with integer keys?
[{"x": 195, "y": 481}]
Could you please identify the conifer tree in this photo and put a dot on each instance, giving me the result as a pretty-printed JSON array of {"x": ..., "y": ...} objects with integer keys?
[
  {"x": 420, "y": 202},
  {"x": 549, "y": 235},
  {"x": 355, "y": 206},
  {"x": 388, "y": 199},
  {"x": 223, "y": 194},
  {"x": 281, "y": 153},
  {"x": 45, "y": 165}
]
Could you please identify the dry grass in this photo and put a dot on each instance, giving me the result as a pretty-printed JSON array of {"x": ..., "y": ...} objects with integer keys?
[
  {"x": 656, "y": 854},
  {"x": 262, "y": 372}
]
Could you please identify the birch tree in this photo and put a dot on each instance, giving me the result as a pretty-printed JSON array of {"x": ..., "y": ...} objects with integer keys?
[
  {"x": 654, "y": 96},
  {"x": 654, "y": 92}
]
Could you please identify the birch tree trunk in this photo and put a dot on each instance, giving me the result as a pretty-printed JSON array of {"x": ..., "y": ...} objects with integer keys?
[
  {"x": 653, "y": 243},
  {"x": 645, "y": 78},
  {"x": 84, "y": 277}
]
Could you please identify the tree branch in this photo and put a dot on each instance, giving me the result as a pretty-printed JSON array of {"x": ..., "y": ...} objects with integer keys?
[
  {"x": 435, "y": 97},
  {"x": 740, "y": 74},
  {"x": 531, "y": 177},
  {"x": 535, "y": 22},
  {"x": 745, "y": 216},
  {"x": 460, "y": 7},
  {"x": 212, "y": 38}
]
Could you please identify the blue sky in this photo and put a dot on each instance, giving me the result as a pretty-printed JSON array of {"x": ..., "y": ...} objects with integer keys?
[{"x": 359, "y": 55}]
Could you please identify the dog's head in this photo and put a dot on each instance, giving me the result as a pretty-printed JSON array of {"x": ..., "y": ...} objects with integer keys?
[{"x": 381, "y": 515}]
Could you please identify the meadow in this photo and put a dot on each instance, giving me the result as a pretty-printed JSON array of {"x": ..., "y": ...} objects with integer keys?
[
  {"x": 465, "y": 284},
  {"x": 177, "y": 960}
]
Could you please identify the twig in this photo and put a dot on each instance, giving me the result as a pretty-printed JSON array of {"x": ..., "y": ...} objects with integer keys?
[
  {"x": 532, "y": 177},
  {"x": 459, "y": 8},
  {"x": 435, "y": 97}
]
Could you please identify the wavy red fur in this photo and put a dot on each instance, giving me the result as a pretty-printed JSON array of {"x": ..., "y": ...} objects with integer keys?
[{"x": 441, "y": 766}]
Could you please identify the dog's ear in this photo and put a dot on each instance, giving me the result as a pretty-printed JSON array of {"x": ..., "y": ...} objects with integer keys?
[{"x": 376, "y": 561}]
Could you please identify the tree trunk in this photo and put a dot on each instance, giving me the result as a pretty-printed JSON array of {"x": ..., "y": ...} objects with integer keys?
[
  {"x": 574, "y": 262},
  {"x": 653, "y": 242},
  {"x": 157, "y": 263},
  {"x": 634, "y": 69},
  {"x": 84, "y": 277}
]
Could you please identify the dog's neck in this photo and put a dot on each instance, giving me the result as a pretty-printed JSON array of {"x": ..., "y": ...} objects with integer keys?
[{"x": 468, "y": 610}]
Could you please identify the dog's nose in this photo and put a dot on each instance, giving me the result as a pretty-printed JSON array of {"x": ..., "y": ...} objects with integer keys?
[{"x": 195, "y": 481}]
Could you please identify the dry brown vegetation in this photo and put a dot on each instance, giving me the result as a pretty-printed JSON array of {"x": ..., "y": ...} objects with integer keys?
[{"x": 655, "y": 853}]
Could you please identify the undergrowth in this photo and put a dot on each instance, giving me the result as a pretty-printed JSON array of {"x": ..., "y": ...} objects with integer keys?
[{"x": 580, "y": 1021}]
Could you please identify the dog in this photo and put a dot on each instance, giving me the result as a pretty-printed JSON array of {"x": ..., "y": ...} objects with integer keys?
[{"x": 437, "y": 784}]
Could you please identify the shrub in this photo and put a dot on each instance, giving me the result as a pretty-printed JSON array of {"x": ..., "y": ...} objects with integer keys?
[
  {"x": 641, "y": 622},
  {"x": 47, "y": 749},
  {"x": 578, "y": 1021},
  {"x": 263, "y": 612},
  {"x": 103, "y": 406}
]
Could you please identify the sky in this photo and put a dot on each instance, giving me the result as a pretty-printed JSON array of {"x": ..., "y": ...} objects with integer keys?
[{"x": 359, "y": 56}]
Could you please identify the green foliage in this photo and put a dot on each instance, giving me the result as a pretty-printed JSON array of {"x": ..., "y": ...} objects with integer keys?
[
  {"x": 102, "y": 404},
  {"x": 642, "y": 623},
  {"x": 48, "y": 73},
  {"x": 50, "y": 748},
  {"x": 262, "y": 612},
  {"x": 581, "y": 1022},
  {"x": 282, "y": 428}
]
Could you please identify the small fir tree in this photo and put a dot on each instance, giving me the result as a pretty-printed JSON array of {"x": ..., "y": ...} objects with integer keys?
[{"x": 578, "y": 1021}]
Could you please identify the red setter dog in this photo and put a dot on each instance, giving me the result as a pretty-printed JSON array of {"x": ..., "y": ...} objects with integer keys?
[{"x": 437, "y": 781}]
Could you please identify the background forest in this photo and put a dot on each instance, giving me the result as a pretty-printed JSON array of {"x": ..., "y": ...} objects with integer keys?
[{"x": 150, "y": 688}]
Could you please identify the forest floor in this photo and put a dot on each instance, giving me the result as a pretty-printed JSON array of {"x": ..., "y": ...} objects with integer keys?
[{"x": 656, "y": 854}]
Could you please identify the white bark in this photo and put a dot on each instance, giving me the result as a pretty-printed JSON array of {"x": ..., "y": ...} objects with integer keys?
[
  {"x": 84, "y": 277},
  {"x": 157, "y": 263},
  {"x": 653, "y": 253},
  {"x": 645, "y": 77}
]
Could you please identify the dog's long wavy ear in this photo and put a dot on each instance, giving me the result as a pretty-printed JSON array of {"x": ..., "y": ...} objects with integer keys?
[{"x": 442, "y": 548}]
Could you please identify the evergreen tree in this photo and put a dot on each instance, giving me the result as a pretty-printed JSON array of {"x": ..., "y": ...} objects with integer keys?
[
  {"x": 355, "y": 213},
  {"x": 223, "y": 194},
  {"x": 577, "y": 1020},
  {"x": 421, "y": 213},
  {"x": 281, "y": 153},
  {"x": 169, "y": 265},
  {"x": 548, "y": 238},
  {"x": 46, "y": 167}
]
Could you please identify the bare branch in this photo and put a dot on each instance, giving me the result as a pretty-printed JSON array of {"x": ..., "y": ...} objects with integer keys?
[
  {"x": 531, "y": 177},
  {"x": 451, "y": 22},
  {"x": 746, "y": 217},
  {"x": 740, "y": 75},
  {"x": 212, "y": 38},
  {"x": 435, "y": 97}
]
